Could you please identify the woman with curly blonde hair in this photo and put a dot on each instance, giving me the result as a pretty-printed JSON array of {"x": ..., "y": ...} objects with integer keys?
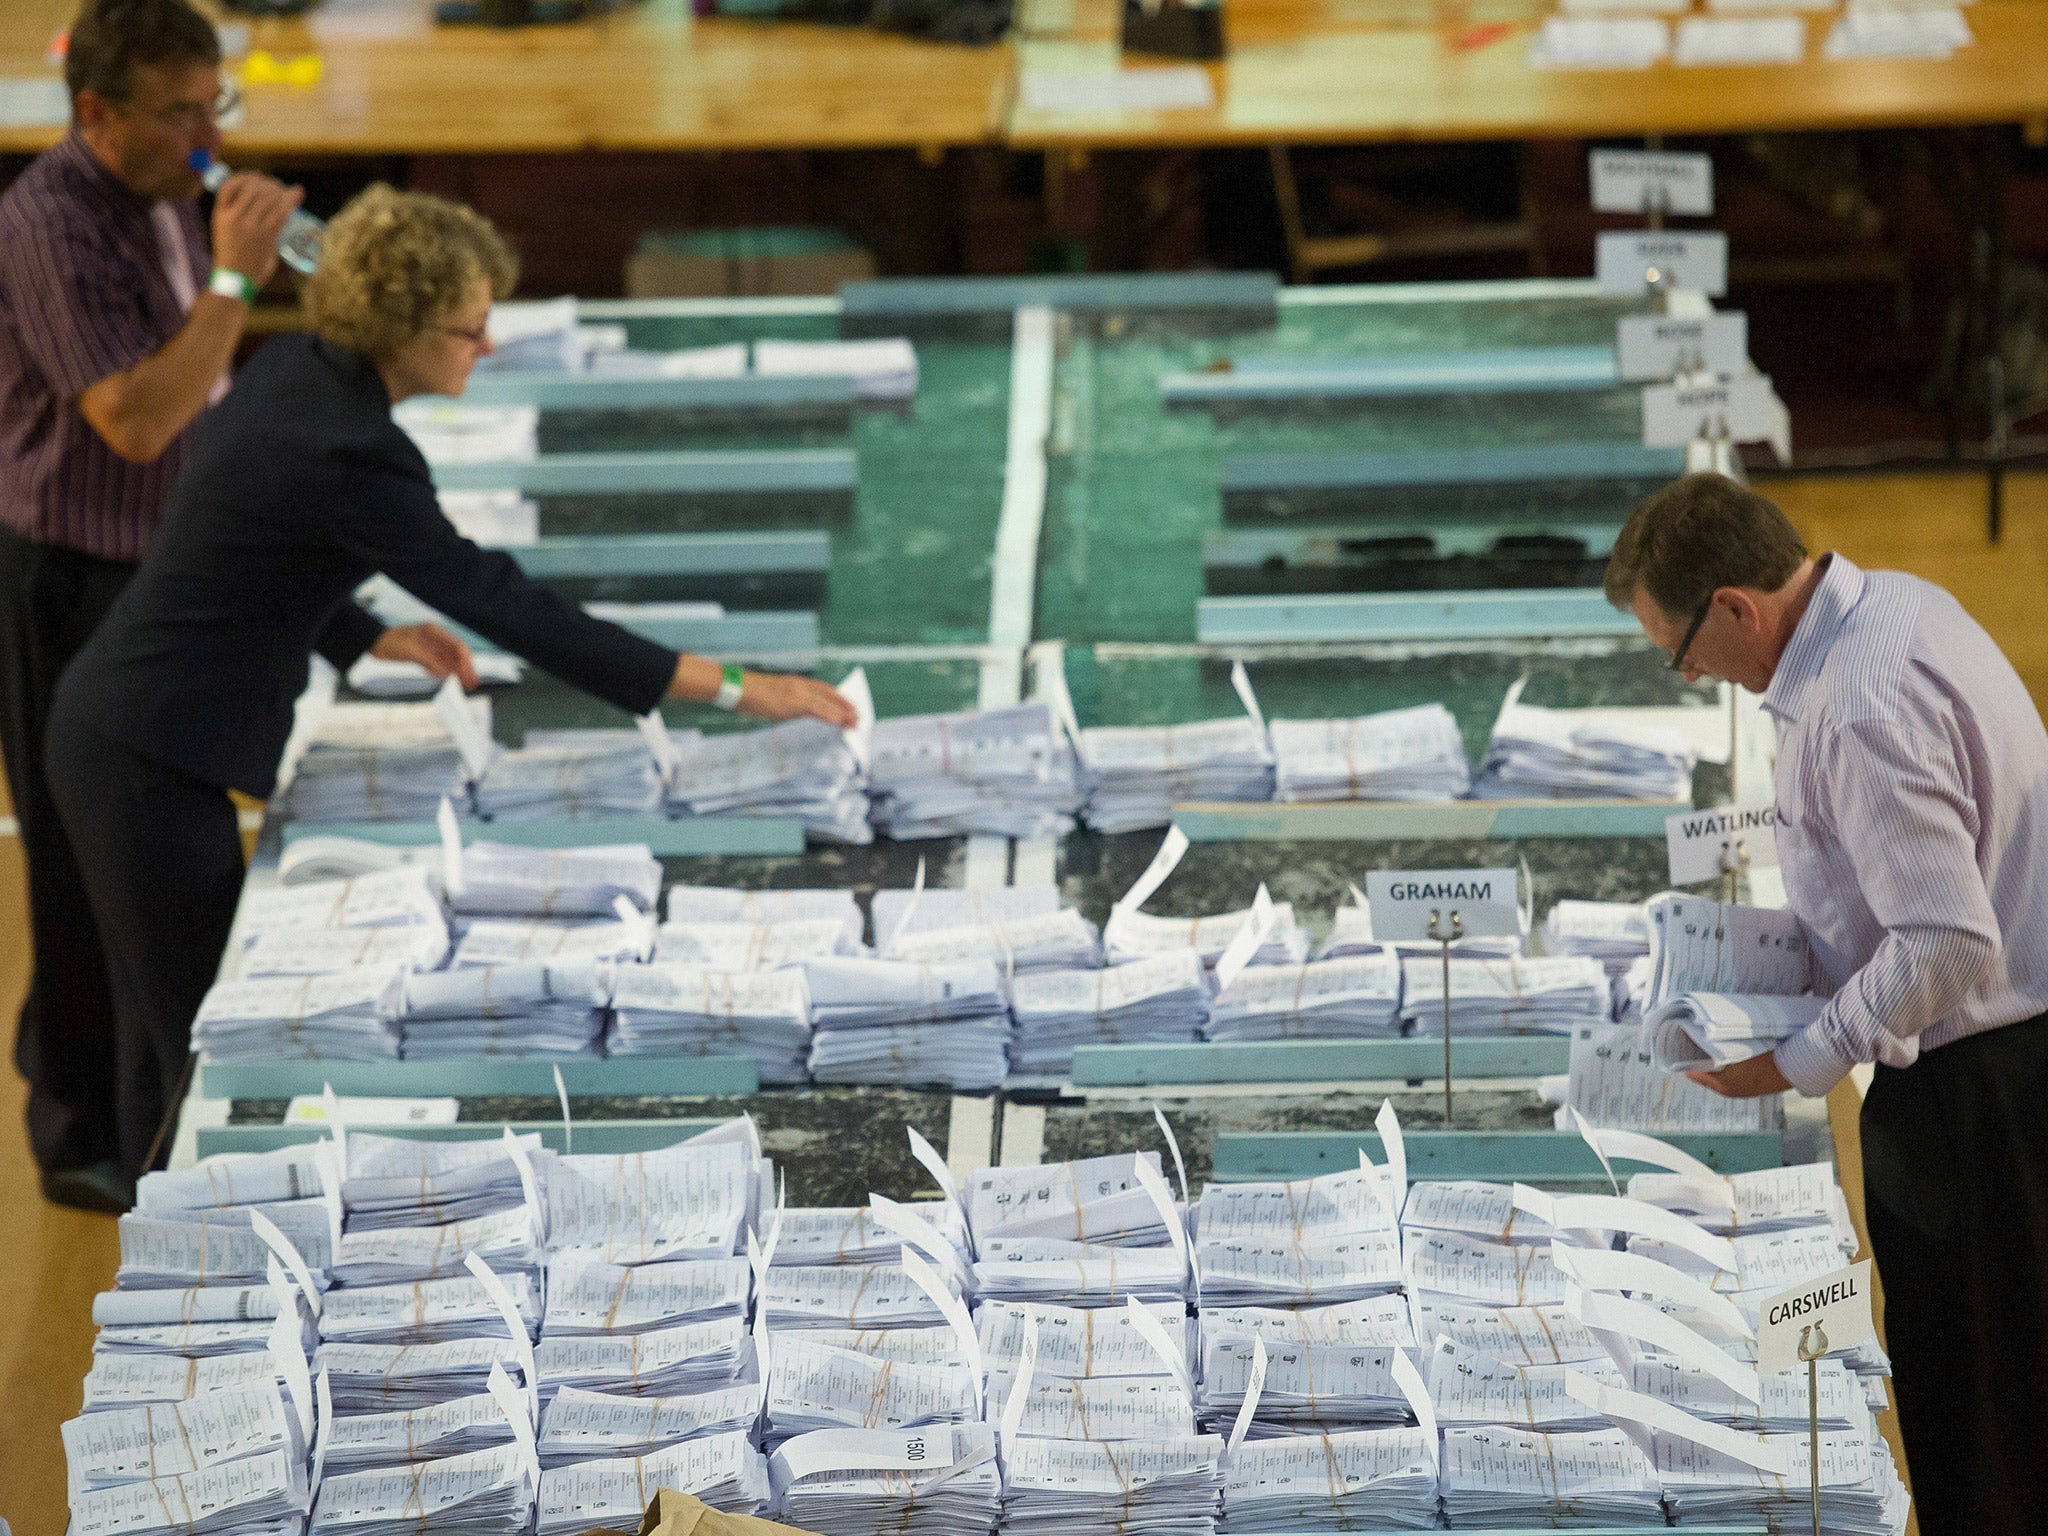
[{"x": 299, "y": 486}]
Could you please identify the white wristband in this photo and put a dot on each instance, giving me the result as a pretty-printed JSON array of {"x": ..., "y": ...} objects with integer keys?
[
  {"x": 230, "y": 284},
  {"x": 729, "y": 689}
]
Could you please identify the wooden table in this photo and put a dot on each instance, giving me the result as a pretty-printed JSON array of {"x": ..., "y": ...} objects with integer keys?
[{"x": 647, "y": 78}]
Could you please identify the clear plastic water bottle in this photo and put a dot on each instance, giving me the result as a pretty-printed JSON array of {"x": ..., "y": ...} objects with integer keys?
[{"x": 299, "y": 245}]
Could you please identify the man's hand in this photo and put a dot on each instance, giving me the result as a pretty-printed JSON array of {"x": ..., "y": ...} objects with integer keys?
[
  {"x": 785, "y": 696},
  {"x": 1750, "y": 1079},
  {"x": 432, "y": 647},
  {"x": 249, "y": 213}
]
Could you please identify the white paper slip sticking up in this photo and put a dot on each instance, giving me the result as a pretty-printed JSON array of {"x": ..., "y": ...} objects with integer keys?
[
  {"x": 1740, "y": 40},
  {"x": 1600, "y": 42}
]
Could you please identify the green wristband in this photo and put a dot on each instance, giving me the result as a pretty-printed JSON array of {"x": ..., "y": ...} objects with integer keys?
[
  {"x": 729, "y": 690},
  {"x": 230, "y": 284}
]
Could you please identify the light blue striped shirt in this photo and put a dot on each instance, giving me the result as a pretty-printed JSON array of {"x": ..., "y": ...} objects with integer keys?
[{"x": 1912, "y": 806}]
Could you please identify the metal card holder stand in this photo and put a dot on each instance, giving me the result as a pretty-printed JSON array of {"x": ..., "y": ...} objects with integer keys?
[
  {"x": 1813, "y": 1344},
  {"x": 1734, "y": 864},
  {"x": 1446, "y": 939}
]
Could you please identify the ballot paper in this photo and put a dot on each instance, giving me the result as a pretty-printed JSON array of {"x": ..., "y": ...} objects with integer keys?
[
  {"x": 1616, "y": 933},
  {"x": 1084, "y": 1342},
  {"x": 1382, "y": 1479},
  {"x": 1902, "y": 32},
  {"x": 391, "y": 1378},
  {"x": 1762, "y": 1200},
  {"x": 684, "y": 1010},
  {"x": 882, "y": 367},
  {"x": 1355, "y": 1200},
  {"x": 1133, "y": 935},
  {"x": 1279, "y": 1271},
  {"x": 962, "y": 1054},
  {"x": 587, "y": 1426},
  {"x": 496, "y": 519},
  {"x": 1161, "y": 1000},
  {"x": 178, "y": 1249},
  {"x": 1351, "y": 936},
  {"x": 450, "y": 433},
  {"x": 1097, "y": 1199},
  {"x": 234, "y": 1178},
  {"x": 379, "y": 762},
  {"x": 1782, "y": 1408},
  {"x": 196, "y": 1304},
  {"x": 1308, "y": 1388},
  {"x": 326, "y": 857},
  {"x": 1536, "y": 752},
  {"x": 504, "y": 1240},
  {"x": 1162, "y": 1487},
  {"x": 687, "y": 1201},
  {"x": 1061, "y": 939},
  {"x": 462, "y": 1426},
  {"x": 426, "y": 1311},
  {"x": 1615, "y": 1082},
  {"x": 569, "y": 783},
  {"x": 803, "y": 770},
  {"x": 1451, "y": 1265},
  {"x": 939, "y": 1481},
  {"x": 1505, "y": 1477},
  {"x": 1470, "y": 1387},
  {"x": 687, "y": 904},
  {"x": 485, "y": 1491},
  {"x": 502, "y": 880},
  {"x": 662, "y": 1362},
  {"x": 589, "y": 1296},
  {"x": 1080, "y": 1274},
  {"x": 505, "y": 1010},
  {"x": 1375, "y": 1321},
  {"x": 1707, "y": 1030},
  {"x": 406, "y": 897},
  {"x": 800, "y": 1296},
  {"x": 1351, "y": 999},
  {"x": 725, "y": 1471},
  {"x": 403, "y": 1181},
  {"x": 1740, "y": 40},
  {"x": 1399, "y": 754},
  {"x": 815, "y": 1386},
  {"x": 264, "y": 1493},
  {"x": 1474, "y": 1209},
  {"x": 130, "y": 1445},
  {"x": 522, "y": 942},
  {"x": 1003, "y": 771},
  {"x": 1134, "y": 775},
  {"x": 134, "y": 1381},
  {"x": 1697, "y": 945},
  {"x": 1099, "y": 1407},
  {"x": 923, "y": 909},
  {"x": 855, "y": 1235},
  {"x": 1519, "y": 996},
  {"x": 194, "y": 1340},
  {"x": 323, "y": 951},
  {"x": 752, "y": 946}
]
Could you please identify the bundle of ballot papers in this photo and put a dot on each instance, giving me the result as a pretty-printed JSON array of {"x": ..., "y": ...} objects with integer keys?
[
  {"x": 938, "y": 1481},
  {"x": 536, "y": 334},
  {"x": 754, "y": 946},
  {"x": 569, "y": 782},
  {"x": 391, "y": 1378},
  {"x": 802, "y": 770},
  {"x": 814, "y": 1386},
  {"x": 1005, "y": 771},
  {"x": 139, "y": 1445},
  {"x": 1133, "y": 935},
  {"x": 400, "y": 1181},
  {"x": 588, "y": 1426},
  {"x": 659, "y": 1363},
  {"x": 856, "y": 1235},
  {"x": 1115, "y": 1199},
  {"x": 1616, "y": 933},
  {"x": 405, "y": 897},
  {"x": 1163, "y": 1000},
  {"x": 342, "y": 1016},
  {"x": 379, "y": 762},
  {"x": 892, "y": 1021},
  {"x": 375, "y": 678},
  {"x": 1519, "y": 996},
  {"x": 1860, "y": 1490},
  {"x": 1709, "y": 1030},
  {"x": 1401, "y": 754},
  {"x": 686, "y": 1201},
  {"x": 881, "y": 1295},
  {"x": 462, "y": 1426},
  {"x": 510, "y": 1010},
  {"x": 685, "y": 1010},
  {"x": 1470, "y": 1387},
  {"x": 504, "y": 880},
  {"x": 265, "y": 1493},
  {"x": 1351, "y": 935},
  {"x": 1100, "y": 1343},
  {"x": 505, "y": 1240},
  {"x": 1135, "y": 774},
  {"x": 1350, "y": 999},
  {"x": 725, "y": 1471},
  {"x": 1518, "y": 1478},
  {"x": 523, "y": 941},
  {"x": 1077, "y": 1273},
  {"x": 322, "y": 951},
  {"x": 1354, "y": 1480},
  {"x": 1332, "y": 1238},
  {"x": 1312, "y": 1388},
  {"x": 686, "y": 904},
  {"x": 480, "y": 1494},
  {"x": 590, "y": 1295},
  {"x": 1536, "y": 752},
  {"x": 1058, "y": 938},
  {"x": 1055, "y": 1487},
  {"x": 460, "y": 1307}
]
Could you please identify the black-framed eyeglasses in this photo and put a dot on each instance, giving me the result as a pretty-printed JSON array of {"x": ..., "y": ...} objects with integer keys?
[
  {"x": 1691, "y": 633},
  {"x": 192, "y": 116}
]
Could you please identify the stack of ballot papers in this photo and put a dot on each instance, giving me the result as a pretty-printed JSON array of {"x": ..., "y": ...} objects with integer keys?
[
  {"x": 322, "y": 951},
  {"x": 1521, "y": 996},
  {"x": 853, "y": 1234},
  {"x": 1375, "y": 1321},
  {"x": 1133, "y": 935},
  {"x": 1504, "y": 1477},
  {"x": 1135, "y": 774},
  {"x": 1401, "y": 754},
  {"x": 813, "y": 1386},
  {"x": 450, "y": 433},
  {"x": 900, "y": 914},
  {"x": 183, "y": 1248},
  {"x": 1708, "y": 1030},
  {"x": 1087, "y": 1344},
  {"x": 687, "y": 1201},
  {"x": 1860, "y": 1490},
  {"x": 1530, "y": 1334},
  {"x": 1698, "y": 945},
  {"x": 685, "y": 1010},
  {"x": 1458, "y": 1267},
  {"x": 1474, "y": 1208},
  {"x": 569, "y": 782},
  {"x": 391, "y": 1378},
  {"x": 107, "y": 1450},
  {"x": 1761, "y": 1200},
  {"x": 516, "y": 941},
  {"x": 262, "y": 1495},
  {"x": 1163, "y": 1000},
  {"x": 862, "y": 1296},
  {"x": 1470, "y": 1387},
  {"x": 535, "y": 335},
  {"x": 686, "y": 904},
  {"x": 753, "y": 946},
  {"x": 1161, "y": 1487},
  {"x": 881, "y": 367},
  {"x": 1073, "y": 1273},
  {"x": 462, "y": 1426},
  {"x": 343, "y": 1016},
  {"x": 1351, "y": 934},
  {"x": 481, "y": 1494},
  {"x": 660, "y": 1363},
  {"x": 1352, "y": 999},
  {"x": 505, "y": 1240},
  {"x": 893, "y": 1021},
  {"x": 518, "y": 1011},
  {"x": 587, "y": 1295},
  {"x": 1093, "y": 1200},
  {"x": 587, "y": 1426},
  {"x": 1308, "y": 1388},
  {"x": 725, "y": 1471},
  {"x": 1358, "y": 1480},
  {"x": 405, "y": 897},
  {"x": 1537, "y": 752},
  {"x": 1059, "y": 939},
  {"x": 1330, "y": 1238},
  {"x": 801, "y": 770},
  {"x": 136, "y": 1381},
  {"x": 1005, "y": 771},
  {"x": 1782, "y": 1409},
  {"x": 379, "y": 762},
  {"x": 502, "y": 880},
  {"x": 399, "y": 1181},
  {"x": 941, "y": 1481},
  {"x": 1616, "y": 933},
  {"x": 1099, "y": 1407},
  {"x": 427, "y": 1311},
  {"x": 1615, "y": 1082}
]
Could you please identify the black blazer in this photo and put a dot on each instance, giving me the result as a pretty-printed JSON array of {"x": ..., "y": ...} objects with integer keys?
[{"x": 298, "y": 488}]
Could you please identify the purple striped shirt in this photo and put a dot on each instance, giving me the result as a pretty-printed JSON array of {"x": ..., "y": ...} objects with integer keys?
[
  {"x": 1912, "y": 803},
  {"x": 84, "y": 294}
]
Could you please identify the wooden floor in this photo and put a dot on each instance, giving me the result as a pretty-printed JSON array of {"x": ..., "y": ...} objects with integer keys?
[{"x": 53, "y": 1261}]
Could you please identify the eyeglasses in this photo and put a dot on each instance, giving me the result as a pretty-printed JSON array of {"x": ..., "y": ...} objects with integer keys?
[
  {"x": 478, "y": 338},
  {"x": 193, "y": 117},
  {"x": 1691, "y": 633}
]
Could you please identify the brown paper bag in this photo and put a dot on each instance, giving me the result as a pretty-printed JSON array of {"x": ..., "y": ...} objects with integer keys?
[{"x": 680, "y": 1514}]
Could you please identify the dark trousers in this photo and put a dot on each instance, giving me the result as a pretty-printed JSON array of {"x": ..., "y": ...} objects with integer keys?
[
  {"x": 1955, "y": 1174},
  {"x": 51, "y": 600},
  {"x": 161, "y": 855}
]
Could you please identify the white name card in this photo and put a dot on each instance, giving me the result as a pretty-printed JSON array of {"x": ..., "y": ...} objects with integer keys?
[
  {"x": 1838, "y": 1304},
  {"x": 1704, "y": 844},
  {"x": 1624, "y": 259},
  {"x": 1465, "y": 903},
  {"x": 1652, "y": 347},
  {"x": 1641, "y": 181},
  {"x": 1744, "y": 410}
]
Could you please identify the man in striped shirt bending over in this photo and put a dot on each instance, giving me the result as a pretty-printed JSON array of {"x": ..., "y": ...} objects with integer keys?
[
  {"x": 114, "y": 335},
  {"x": 1912, "y": 824}
]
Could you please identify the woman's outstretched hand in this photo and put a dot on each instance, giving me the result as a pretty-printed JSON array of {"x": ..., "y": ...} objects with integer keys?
[
  {"x": 430, "y": 646},
  {"x": 786, "y": 695}
]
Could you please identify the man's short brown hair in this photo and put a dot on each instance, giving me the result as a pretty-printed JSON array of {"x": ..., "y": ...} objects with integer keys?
[
  {"x": 110, "y": 37},
  {"x": 1696, "y": 536}
]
